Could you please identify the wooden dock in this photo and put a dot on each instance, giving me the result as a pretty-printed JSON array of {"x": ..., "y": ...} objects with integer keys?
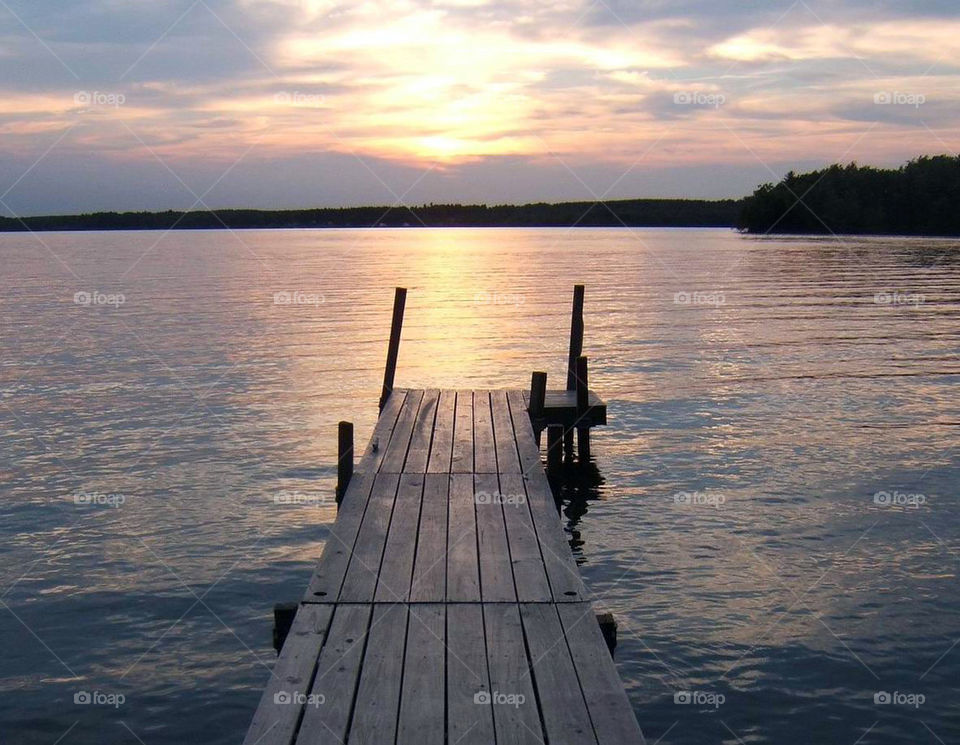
[{"x": 447, "y": 608}]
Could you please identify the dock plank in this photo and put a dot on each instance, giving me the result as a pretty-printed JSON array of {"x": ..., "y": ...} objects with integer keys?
[
  {"x": 327, "y": 718},
  {"x": 463, "y": 571},
  {"x": 429, "y": 584},
  {"x": 508, "y": 460},
  {"x": 607, "y": 702},
  {"x": 515, "y": 723},
  {"x": 462, "y": 457},
  {"x": 529, "y": 453},
  {"x": 279, "y": 712},
  {"x": 441, "y": 451},
  {"x": 393, "y": 583},
  {"x": 529, "y": 572},
  {"x": 378, "y": 695},
  {"x": 360, "y": 581},
  {"x": 422, "y": 703},
  {"x": 484, "y": 446},
  {"x": 422, "y": 437},
  {"x": 496, "y": 573},
  {"x": 564, "y": 709},
  {"x": 468, "y": 723},
  {"x": 328, "y": 577},
  {"x": 396, "y": 451}
]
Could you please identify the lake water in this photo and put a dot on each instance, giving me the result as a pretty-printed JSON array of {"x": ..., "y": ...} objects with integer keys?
[{"x": 777, "y": 526}]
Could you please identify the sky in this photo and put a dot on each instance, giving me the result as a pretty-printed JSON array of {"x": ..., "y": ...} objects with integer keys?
[{"x": 178, "y": 104}]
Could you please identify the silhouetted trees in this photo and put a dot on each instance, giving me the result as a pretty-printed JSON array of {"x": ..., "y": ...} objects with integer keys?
[
  {"x": 631, "y": 212},
  {"x": 919, "y": 198}
]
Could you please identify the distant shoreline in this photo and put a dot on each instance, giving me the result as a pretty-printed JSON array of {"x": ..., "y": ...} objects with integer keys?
[{"x": 650, "y": 213}]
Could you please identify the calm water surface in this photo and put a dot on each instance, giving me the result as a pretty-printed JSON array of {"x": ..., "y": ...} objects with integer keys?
[{"x": 777, "y": 522}]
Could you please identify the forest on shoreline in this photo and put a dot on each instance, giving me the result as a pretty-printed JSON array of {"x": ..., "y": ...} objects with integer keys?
[
  {"x": 919, "y": 198},
  {"x": 691, "y": 213}
]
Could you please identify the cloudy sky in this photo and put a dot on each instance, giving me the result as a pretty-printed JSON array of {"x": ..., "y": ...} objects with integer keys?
[{"x": 156, "y": 104}]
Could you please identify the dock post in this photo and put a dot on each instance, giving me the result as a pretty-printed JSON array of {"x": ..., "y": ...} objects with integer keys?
[
  {"x": 538, "y": 400},
  {"x": 576, "y": 337},
  {"x": 583, "y": 406},
  {"x": 344, "y": 458},
  {"x": 399, "y": 302},
  {"x": 554, "y": 447},
  {"x": 608, "y": 627}
]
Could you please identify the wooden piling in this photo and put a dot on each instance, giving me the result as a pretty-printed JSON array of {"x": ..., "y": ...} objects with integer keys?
[
  {"x": 538, "y": 399},
  {"x": 583, "y": 405},
  {"x": 576, "y": 337},
  {"x": 344, "y": 458},
  {"x": 283, "y": 615},
  {"x": 554, "y": 447},
  {"x": 399, "y": 303}
]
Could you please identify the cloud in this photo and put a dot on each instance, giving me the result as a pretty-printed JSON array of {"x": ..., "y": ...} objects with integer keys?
[{"x": 459, "y": 85}]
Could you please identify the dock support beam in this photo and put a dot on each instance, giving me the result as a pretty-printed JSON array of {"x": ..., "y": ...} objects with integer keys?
[
  {"x": 583, "y": 406},
  {"x": 283, "y": 615},
  {"x": 344, "y": 458},
  {"x": 608, "y": 627},
  {"x": 554, "y": 447},
  {"x": 399, "y": 302},
  {"x": 538, "y": 400}
]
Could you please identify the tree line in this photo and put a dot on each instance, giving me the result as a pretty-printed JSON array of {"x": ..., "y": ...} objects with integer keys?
[
  {"x": 919, "y": 198},
  {"x": 630, "y": 212}
]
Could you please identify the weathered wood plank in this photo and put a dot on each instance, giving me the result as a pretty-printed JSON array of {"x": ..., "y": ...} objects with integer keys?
[
  {"x": 565, "y": 581},
  {"x": 462, "y": 459},
  {"x": 523, "y": 431},
  {"x": 423, "y": 430},
  {"x": 496, "y": 574},
  {"x": 360, "y": 581},
  {"x": 326, "y": 717},
  {"x": 281, "y": 704},
  {"x": 396, "y": 454},
  {"x": 328, "y": 577},
  {"x": 613, "y": 719},
  {"x": 396, "y": 569},
  {"x": 378, "y": 695},
  {"x": 484, "y": 446},
  {"x": 529, "y": 573},
  {"x": 506, "y": 441},
  {"x": 382, "y": 433},
  {"x": 516, "y": 723},
  {"x": 564, "y": 709},
  {"x": 442, "y": 449},
  {"x": 468, "y": 723},
  {"x": 422, "y": 703},
  {"x": 429, "y": 582},
  {"x": 463, "y": 574}
]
